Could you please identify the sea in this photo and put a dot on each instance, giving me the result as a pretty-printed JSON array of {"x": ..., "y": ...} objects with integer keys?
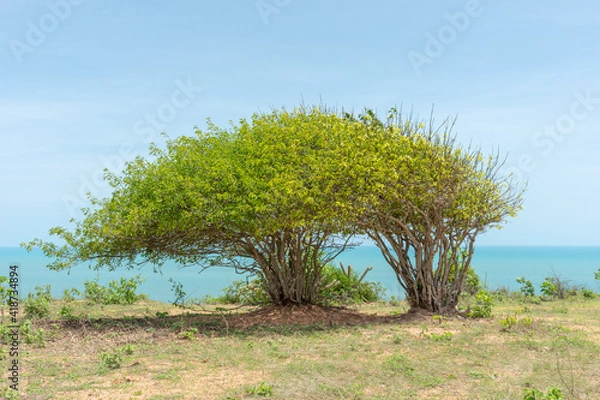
[{"x": 497, "y": 266}]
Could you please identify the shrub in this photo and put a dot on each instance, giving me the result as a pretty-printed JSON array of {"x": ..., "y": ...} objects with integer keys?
[
  {"x": 32, "y": 335},
  {"x": 343, "y": 285},
  {"x": 180, "y": 294},
  {"x": 548, "y": 288},
  {"x": 588, "y": 294},
  {"x": 114, "y": 359},
  {"x": 340, "y": 285},
  {"x": 117, "y": 292},
  {"x": 483, "y": 305},
  {"x": 244, "y": 292},
  {"x": 556, "y": 286},
  {"x": 38, "y": 305},
  {"x": 597, "y": 274},
  {"x": 527, "y": 288}
]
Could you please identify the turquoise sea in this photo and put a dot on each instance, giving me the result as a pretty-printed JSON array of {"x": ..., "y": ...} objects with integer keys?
[{"x": 496, "y": 265}]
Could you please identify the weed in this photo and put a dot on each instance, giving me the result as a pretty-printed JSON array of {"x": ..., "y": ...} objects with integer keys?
[
  {"x": 112, "y": 360},
  {"x": 399, "y": 363},
  {"x": 177, "y": 325},
  {"x": 128, "y": 349},
  {"x": 394, "y": 302},
  {"x": 440, "y": 337},
  {"x": 10, "y": 394},
  {"x": 552, "y": 393},
  {"x": 190, "y": 334},
  {"x": 262, "y": 389}
]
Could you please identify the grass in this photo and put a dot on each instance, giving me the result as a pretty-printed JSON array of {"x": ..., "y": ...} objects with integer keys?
[{"x": 398, "y": 358}]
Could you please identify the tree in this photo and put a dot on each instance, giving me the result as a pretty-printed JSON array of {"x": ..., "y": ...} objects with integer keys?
[
  {"x": 436, "y": 199},
  {"x": 271, "y": 196}
]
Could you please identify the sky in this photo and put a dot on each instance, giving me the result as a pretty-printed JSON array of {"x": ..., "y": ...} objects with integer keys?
[{"x": 88, "y": 84}]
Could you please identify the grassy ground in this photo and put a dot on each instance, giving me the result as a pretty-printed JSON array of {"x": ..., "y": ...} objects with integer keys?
[{"x": 155, "y": 351}]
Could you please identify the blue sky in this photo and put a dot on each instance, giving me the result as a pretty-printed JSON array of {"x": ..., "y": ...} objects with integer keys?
[{"x": 86, "y": 84}]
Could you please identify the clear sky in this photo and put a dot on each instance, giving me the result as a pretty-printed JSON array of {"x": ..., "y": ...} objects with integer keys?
[{"x": 86, "y": 84}]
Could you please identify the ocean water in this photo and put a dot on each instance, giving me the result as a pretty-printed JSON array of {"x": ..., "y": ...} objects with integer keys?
[{"x": 497, "y": 266}]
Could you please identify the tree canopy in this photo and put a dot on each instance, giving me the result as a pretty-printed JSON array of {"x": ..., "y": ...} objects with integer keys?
[
  {"x": 437, "y": 198},
  {"x": 283, "y": 193}
]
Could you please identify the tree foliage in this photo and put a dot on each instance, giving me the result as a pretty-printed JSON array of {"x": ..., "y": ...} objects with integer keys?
[
  {"x": 269, "y": 196},
  {"x": 437, "y": 198},
  {"x": 282, "y": 194}
]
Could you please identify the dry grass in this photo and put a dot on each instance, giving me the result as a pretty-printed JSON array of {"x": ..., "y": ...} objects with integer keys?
[{"x": 374, "y": 352}]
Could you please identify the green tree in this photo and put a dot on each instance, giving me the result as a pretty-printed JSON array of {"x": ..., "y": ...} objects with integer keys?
[
  {"x": 271, "y": 196},
  {"x": 434, "y": 201}
]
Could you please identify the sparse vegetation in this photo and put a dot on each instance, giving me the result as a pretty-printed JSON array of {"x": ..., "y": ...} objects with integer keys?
[
  {"x": 122, "y": 291},
  {"x": 37, "y": 305},
  {"x": 245, "y": 354},
  {"x": 338, "y": 286}
]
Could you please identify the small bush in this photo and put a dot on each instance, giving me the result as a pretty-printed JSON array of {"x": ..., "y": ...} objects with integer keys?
[
  {"x": 483, "y": 305},
  {"x": 512, "y": 321},
  {"x": 556, "y": 287},
  {"x": 66, "y": 312},
  {"x": 32, "y": 335},
  {"x": 343, "y": 285},
  {"x": 548, "y": 288},
  {"x": 112, "y": 360},
  {"x": 38, "y": 305},
  {"x": 526, "y": 287},
  {"x": 180, "y": 294},
  {"x": 588, "y": 294},
  {"x": 244, "y": 293},
  {"x": 117, "y": 292},
  {"x": 338, "y": 286}
]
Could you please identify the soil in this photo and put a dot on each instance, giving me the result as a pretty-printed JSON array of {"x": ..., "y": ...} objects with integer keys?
[{"x": 219, "y": 323}]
